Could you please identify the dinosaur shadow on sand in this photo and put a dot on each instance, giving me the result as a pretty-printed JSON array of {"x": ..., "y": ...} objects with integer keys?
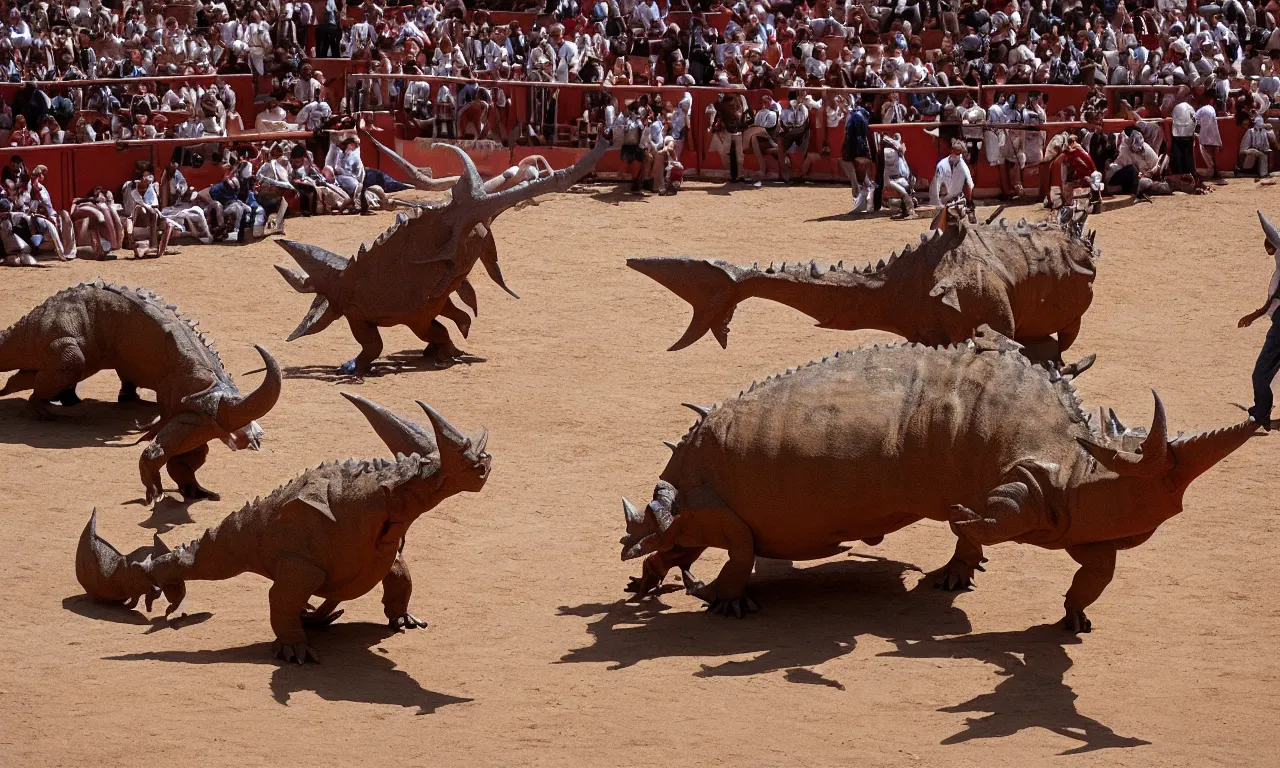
[
  {"x": 810, "y": 616},
  {"x": 1033, "y": 693},
  {"x": 863, "y": 595},
  {"x": 89, "y": 423},
  {"x": 406, "y": 361},
  {"x": 356, "y": 668}
]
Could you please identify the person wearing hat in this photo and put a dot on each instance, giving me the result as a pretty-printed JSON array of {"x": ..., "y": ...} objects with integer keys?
[{"x": 1268, "y": 363}]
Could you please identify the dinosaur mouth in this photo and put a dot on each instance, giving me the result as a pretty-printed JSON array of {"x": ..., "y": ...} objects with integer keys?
[{"x": 634, "y": 546}]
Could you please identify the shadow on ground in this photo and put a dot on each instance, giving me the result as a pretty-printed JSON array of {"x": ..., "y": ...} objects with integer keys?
[
  {"x": 407, "y": 361},
  {"x": 1033, "y": 693},
  {"x": 90, "y": 423},
  {"x": 355, "y": 669},
  {"x": 810, "y": 616}
]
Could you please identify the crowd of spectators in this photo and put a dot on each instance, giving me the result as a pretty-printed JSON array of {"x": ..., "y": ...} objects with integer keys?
[{"x": 87, "y": 71}]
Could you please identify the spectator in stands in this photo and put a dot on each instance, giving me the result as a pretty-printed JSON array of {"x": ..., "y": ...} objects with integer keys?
[
  {"x": 21, "y": 135},
  {"x": 1078, "y": 169},
  {"x": 1255, "y": 149},
  {"x": 142, "y": 206},
  {"x": 178, "y": 204},
  {"x": 273, "y": 184},
  {"x": 348, "y": 170}
]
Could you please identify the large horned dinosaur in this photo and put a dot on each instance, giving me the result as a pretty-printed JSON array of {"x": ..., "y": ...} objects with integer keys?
[
  {"x": 95, "y": 326},
  {"x": 1030, "y": 282},
  {"x": 335, "y": 531},
  {"x": 409, "y": 273},
  {"x": 833, "y": 452}
]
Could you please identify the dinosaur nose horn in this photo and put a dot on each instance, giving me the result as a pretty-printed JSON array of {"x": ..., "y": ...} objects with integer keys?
[
  {"x": 447, "y": 433},
  {"x": 1273, "y": 236},
  {"x": 235, "y": 412},
  {"x": 399, "y": 434}
]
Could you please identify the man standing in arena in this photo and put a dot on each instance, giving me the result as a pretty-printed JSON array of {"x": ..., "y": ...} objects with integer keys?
[{"x": 1264, "y": 370}]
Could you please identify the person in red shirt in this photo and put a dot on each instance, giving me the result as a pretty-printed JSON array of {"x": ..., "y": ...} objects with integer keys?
[{"x": 1077, "y": 167}]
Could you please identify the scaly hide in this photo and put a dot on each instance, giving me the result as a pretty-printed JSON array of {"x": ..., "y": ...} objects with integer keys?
[
  {"x": 335, "y": 531},
  {"x": 408, "y": 275},
  {"x": 835, "y": 451},
  {"x": 95, "y": 326},
  {"x": 1030, "y": 282}
]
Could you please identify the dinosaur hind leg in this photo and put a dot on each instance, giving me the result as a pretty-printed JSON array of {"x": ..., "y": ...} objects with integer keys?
[
  {"x": 439, "y": 345},
  {"x": 370, "y": 341},
  {"x": 19, "y": 382},
  {"x": 182, "y": 468},
  {"x": 293, "y": 584},
  {"x": 397, "y": 588},
  {"x": 51, "y": 383},
  {"x": 128, "y": 392}
]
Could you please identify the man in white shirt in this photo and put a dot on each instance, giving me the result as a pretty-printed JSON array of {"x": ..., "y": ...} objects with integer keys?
[
  {"x": 566, "y": 51},
  {"x": 951, "y": 179},
  {"x": 1255, "y": 147},
  {"x": 1268, "y": 364},
  {"x": 275, "y": 182},
  {"x": 1208, "y": 134},
  {"x": 1182, "y": 155},
  {"x": 653, "y": 143},
  {"x": 313, "y": 116}
]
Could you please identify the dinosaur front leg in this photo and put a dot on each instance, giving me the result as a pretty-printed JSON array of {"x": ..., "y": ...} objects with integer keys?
[
  {"x": 370, "y": 341},
  {"x": 397, "y": 588},
  {"x": 1097, "y": 566},
  {"x": 173, "y": 440},
  {"x": 128, "y": 392},
  {"x": 656, "y": 566},
  {"x": 182, "y": 468},
  {"x": 326, "y": 614},
  {"x": 1011, "y": 510},
  {"x": 957, "y": 574},
  {"x": 294, "y": 582},
  {"x": 459, "y": 317}
]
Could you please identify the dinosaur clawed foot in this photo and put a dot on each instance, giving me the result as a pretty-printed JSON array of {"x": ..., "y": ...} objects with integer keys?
[
  {"x": 442, "y": 352},
  {"x": 1076, "y": 622},
  {"x": 300, "y": 653},
  {"x": 68, "y": 397},
  {"x": 957, "y": 575},
  {"x": 312, "y": 619},
  {"x": 154, "y": 491},
  {"x": 196, "y": 492},
  {"x": 738, "y": 606},
  {"x": 405, "y": 621},
  {"x": 642, "y": 585},
  {"x": 692, "y": 586}
]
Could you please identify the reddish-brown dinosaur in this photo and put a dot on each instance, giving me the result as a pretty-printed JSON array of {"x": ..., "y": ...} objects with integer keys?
[
  {"x": 1029, "y": 282},
  {"x": 411, "y": 271},
  {"x": 97, "y": 326},
  {"x": 335, "y": 532},
  {"x": 834, "y": 451}
]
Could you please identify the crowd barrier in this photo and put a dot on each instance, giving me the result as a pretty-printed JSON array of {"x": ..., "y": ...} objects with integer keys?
[
  {"x": 926, "y": 143},
  {"x": 77, "y": 168}
]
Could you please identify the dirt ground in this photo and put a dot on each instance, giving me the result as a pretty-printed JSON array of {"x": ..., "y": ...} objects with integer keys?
[{"x": 532, "y": 657}]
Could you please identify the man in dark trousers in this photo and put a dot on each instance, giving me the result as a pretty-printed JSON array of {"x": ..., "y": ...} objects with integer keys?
[{"x": 1269, "y": 358}]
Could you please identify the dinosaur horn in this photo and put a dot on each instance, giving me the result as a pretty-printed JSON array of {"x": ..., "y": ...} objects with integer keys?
[
  {"x": 235, "y": 412},
  {"x": 632, "y": 515},
  {"x": 1198, "y": 453},
  {"x": 447, "y": 432},
  {"x": 313, "y": 259},
  {"x": 709, "y": 288},
  {"x": 296, "y": 280},
  {"x": 319, "y": 316},
  {"x": 419, "y": 178},
  {"x": 105, "y": 574},
  {"x": 490, "y": 205},
  {"x": 1273, "y": 236},
  {"x": 469, "y": 188},
  {"x": 400, "y": 435},
  {"x": 1154, "y": 457}
]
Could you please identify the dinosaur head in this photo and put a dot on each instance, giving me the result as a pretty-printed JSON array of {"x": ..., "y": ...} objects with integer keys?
[
  {"x": 459, "y": 459},
  {"x": 463, "y": 461},
  {"x": 236, "y": 414},
  {"x": 643, "y": 526},
  {"x": 1146, "y": 480}
]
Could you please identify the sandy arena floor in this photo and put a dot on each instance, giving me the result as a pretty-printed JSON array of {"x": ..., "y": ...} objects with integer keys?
[{"x": 531, "y": 656}]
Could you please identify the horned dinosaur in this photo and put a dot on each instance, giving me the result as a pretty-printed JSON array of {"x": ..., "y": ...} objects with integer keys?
[
  {"x": 95, "y": 326},
  {"x": 1030, "y": 282},
  {"x": 832, "y": 452},
  {"x": 335, "y": 531},
  {"x": 409, "y": 273}
]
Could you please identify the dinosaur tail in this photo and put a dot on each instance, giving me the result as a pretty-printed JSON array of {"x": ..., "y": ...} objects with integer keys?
[
  {"x": 711, "y": 289},
  {"x": 109, "y": 576},
  {"x": 321, "y": 270}
]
